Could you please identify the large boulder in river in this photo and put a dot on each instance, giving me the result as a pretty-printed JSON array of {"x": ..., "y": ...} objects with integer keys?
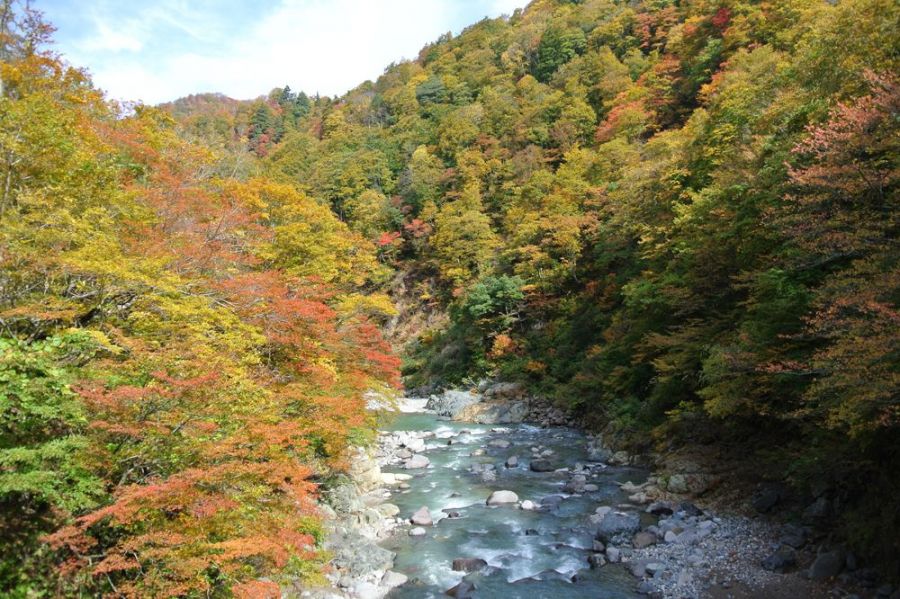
[
  {"x": 468, "y": 564},
  {"x": 422, "y": 517},
  {"x": 617, "y": 527},
  {"x": 451, "y": 403},
  {"x": 417, "y": 461},
  {"x": 501, "y": 497},
  {"x": 542, "y": 466}
]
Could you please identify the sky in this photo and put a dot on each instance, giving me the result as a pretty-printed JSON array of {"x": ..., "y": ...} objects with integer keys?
[{"x": 159, "y": 50}]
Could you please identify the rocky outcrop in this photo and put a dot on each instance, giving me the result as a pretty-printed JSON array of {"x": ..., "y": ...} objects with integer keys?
[
  {"x": 451, "y": 403},
  {"x": 360, "y": 518},
  {"x": 496, "y": 412}
]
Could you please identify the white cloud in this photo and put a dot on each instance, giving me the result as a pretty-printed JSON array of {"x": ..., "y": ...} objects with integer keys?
[{"x": 325, "y": 46}]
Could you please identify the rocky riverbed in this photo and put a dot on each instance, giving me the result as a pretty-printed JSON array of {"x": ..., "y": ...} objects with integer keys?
[{"x": 447, "y": 508}]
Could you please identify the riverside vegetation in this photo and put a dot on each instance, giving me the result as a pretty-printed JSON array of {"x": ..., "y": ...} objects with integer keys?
[{"x": 675, "y": 221}]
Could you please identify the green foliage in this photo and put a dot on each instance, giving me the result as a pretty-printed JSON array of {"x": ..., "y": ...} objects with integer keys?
[
  {"x": 495, "y": 300},
  {"x": 558, "y": 46}
]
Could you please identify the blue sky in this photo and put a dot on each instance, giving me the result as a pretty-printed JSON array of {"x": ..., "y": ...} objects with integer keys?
[{"x": 159, "y": 50}]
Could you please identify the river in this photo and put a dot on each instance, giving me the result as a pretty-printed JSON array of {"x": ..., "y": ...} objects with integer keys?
[{"x": 529, "y": 553}]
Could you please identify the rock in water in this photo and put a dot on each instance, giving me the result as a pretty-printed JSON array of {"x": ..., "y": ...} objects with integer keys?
[
  {"x": 415, "y": 462},
  {"x": 528, "y": 505},
  {"x": 501, "y": 443},
  {"x": 541, "y": 466},
  {"x": 468, "y": 564},
  {"x": 422, "y": 517},
  {"x": 418, "y": 531},
  {"x": 512, "y": 461},
  {"x": 393, "y": 579},
  {"x": 501, "y": 497},
  {"x": 464, "y": 590},
  {"x": 618, "y": 525}
]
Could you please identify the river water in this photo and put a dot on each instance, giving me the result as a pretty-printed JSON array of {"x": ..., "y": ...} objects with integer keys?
[{"x": 540, "y": 553}]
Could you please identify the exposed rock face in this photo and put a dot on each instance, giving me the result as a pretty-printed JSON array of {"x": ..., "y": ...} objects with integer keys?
[
  {"x": 355, "y": 554},
  {"x": 502, "y": 412},
  {"x": 364, "y": 471},
  {"x": 687, "y": 477},
  {"x": 505, "y": 391},
  {"x": 451, "y": 403}
]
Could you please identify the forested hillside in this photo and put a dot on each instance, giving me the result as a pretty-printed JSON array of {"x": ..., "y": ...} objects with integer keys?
[{"x": 676, "y": 219}]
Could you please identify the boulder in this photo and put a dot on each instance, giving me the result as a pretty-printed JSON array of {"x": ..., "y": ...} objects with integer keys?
[
  {"x": 468, "y": 564},
  {"x": 827, "y": 565},
  {"x": 422, "y": 517},
  {"x": 551, "y": 500},
  {"x": 817, "y": 511},
  {"x": 418, "y": 531},
  {"x": 781, "y": 561},
  {"x": 793, "y": 536},
  {"x": 661, "y": 508},
  {"x": 502, "y": 497},
  {"x": 541, "y": 466},
  {"x": 576, "y": 484},
  {"x": 388, "y": 510},
  {"x": 415, "y": 444},
  {"x": 766, "y": 498},
  {"x": 416, "y": 462},
  {"x": 617, "y": 526},
  {"x": 599, "y": 454},
  {"x": 643, "y": 539},
  {"x": 393, "y": 579},
  {"x": 356, "y": 555},
  {"x": 528, "y": 505},
  {"x": 512, "y": 461},
  {"x": 464, "y": 590},
  {"x": 690, "y": 483},
  {"x": 451, "y": 403}
]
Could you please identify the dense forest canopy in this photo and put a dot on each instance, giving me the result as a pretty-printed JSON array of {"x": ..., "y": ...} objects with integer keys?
[{"x": 676, "y": 219}]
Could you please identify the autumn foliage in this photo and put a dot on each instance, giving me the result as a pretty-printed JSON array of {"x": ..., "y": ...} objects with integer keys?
[{"x": 212, "y": 336}]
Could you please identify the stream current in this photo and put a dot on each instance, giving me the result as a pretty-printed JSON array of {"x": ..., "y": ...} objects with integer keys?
[{"x": 529, "y": 553}]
